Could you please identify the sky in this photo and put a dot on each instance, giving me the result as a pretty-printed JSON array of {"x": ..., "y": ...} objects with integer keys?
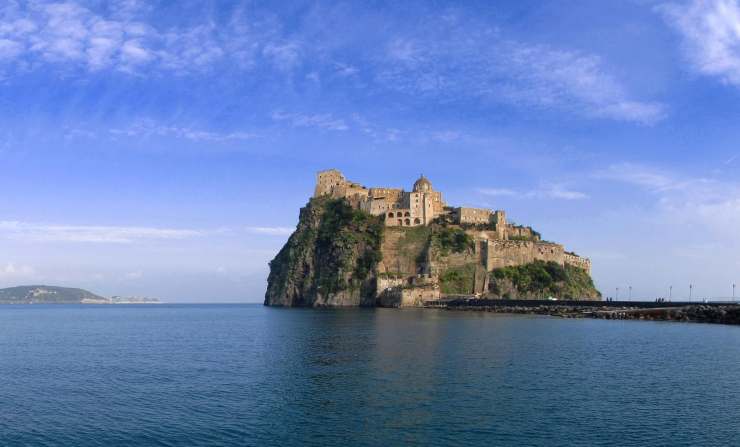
[{"x": 164, "y": 149}]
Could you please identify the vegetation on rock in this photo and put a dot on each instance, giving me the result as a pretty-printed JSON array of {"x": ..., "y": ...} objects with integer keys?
[
  {"x": 542, "y": 279},
  {"x": 330, "y": 259},
  {"x": 458, "y": 280},
  {"x": 446, "y": 239},
  {"x": 48, "y": 294}
]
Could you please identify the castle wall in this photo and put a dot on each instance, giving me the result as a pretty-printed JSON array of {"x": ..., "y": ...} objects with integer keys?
[
  {"x": 465, "y": 215},
  {"x": 577, "y": 261},
  {"x": 498, "y": 219},
  {"x": 505, "y": 253},
  {"x": 376, "y": 206},
  {"x": 327, "y": 180},
  {"x": 408, "y": 296},
  {"x": 517, "y": 231},
  {"x": 403, "y": 217}
]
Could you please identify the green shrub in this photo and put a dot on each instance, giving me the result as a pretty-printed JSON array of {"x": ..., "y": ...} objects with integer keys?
[
  {"x": 545, "y": 279},
  {"x": 347, "y": 239},
  {"x": 446, "y": 239},
  {"x": 458, "y": 280}
]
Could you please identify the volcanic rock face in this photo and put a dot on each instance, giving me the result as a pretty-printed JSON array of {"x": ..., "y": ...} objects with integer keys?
[{"x": 330, "y": 260}]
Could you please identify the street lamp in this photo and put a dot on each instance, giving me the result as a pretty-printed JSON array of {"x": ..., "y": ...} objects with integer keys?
[
  {"x": 630, "y": 293},
  {"x": 617, "y": 293},
  {"x": 691, "y": 290},
  {"x": 733, "y": 291},
  {"x": 670, "y": 293}
]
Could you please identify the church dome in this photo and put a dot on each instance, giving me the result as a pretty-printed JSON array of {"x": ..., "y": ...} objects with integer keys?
[{"x": 422, "y": 185}]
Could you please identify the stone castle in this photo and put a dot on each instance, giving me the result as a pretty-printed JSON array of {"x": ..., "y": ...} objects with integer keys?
[
  {"x": 497, "y": 242},
  {"x": 427, "y": 251}
]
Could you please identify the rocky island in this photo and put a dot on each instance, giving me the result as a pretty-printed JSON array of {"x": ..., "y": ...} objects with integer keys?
[{"x": 358, "y": 246}]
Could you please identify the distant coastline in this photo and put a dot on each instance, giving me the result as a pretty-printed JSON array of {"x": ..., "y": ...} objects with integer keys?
[{"x": 42, "y": 294}]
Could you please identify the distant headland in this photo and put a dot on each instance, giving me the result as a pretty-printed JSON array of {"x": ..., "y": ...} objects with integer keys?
[
  {"x": 62, "y": 295},
  {"x": 358, "y": 246}
]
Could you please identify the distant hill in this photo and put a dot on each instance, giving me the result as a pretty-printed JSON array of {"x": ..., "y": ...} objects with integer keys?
[{"x": 49, "y": 295}]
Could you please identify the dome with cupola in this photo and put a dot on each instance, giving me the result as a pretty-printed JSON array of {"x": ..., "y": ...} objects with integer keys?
[{"x": 423, "y": 185}]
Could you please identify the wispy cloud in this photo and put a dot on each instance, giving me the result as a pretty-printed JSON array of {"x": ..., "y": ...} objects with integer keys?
[
  {"x": 92, "y": 233},
  {"x": 558, "y": 191},
  {"x": 271, "y": 231},
  {"x": 711, "y": 35},
  {"x": 149, "y": 128},
  {"x": 446, "y": 136},
  {"x": 444, "y": 62},
  {"x": 122, "y": 37},
  {"x": 640, "y": 175},
  {"x": 15, "y": 271},
  {"x": 322, "y": 121},
  {"x": 498, "y": 192},
  {"x": 437, "y": 60},
  {"x": 285, "y": 55},
  {"x": 552, "y": 191},
  {"x": 705, "y": 203}
]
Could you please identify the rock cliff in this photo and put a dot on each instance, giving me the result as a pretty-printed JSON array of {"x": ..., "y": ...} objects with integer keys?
[{"x": 330, "y": 260}]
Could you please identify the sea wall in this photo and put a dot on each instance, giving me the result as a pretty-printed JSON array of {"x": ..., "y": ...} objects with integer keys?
[
  {"x": 718, "y": 313},
  {"x": 408, "y": 296}
]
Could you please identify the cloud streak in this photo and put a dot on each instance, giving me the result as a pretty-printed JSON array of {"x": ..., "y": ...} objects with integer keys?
[
  {"x": 321, "y": 121},
  {"x": 445, "y": 63},
  {"x": 90, "y": 233},
  {"x": 705, "y": 203},
  {"x": 122, "y": 37},
  {"x": 711, "y": 35},
  {"x": 553, "y": 191},
  {"x": 148, "y": 128},
  {"x": 271, "y": 231},
  {"x": 14, "y": 271},
  {"x": 437, "y": 61}
]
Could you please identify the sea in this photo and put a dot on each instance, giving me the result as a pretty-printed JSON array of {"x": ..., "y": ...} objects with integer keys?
[{"x": 248, "y": 375}]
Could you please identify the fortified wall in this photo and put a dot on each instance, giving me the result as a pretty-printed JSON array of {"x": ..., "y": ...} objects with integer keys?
[{"x": 497, "y": 243}]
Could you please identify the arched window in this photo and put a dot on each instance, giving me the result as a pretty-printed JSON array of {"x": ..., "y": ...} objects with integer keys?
[
  {"x": 407, "y": 214},
  {"x": 408, "y": 221},
  {"x": 390, "y": 214},
  {"x": 417, "y": 221},
  {"x": 400, "y": 222}
]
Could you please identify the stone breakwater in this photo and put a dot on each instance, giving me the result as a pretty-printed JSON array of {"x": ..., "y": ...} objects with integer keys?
[{"x": 699, "y": 313}]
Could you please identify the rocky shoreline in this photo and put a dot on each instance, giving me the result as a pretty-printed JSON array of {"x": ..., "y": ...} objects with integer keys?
[{"x": 698, "y": 313}]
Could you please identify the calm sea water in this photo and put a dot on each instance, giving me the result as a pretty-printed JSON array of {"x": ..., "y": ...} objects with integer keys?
[{"x": 212, "y": 375}]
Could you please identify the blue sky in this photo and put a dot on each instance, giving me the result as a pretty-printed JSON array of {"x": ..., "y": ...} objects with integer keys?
[{"x": 164, "y": 148}]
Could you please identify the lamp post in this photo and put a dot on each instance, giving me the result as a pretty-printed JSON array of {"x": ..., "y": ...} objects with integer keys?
[
  {"x": 617, "y": 293},
  {"x": 630, "y": 295},
  {"x": 670, "y": 293},
  {"x": 733, "y": 291},
  {"x": 691, "y": 290}
]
